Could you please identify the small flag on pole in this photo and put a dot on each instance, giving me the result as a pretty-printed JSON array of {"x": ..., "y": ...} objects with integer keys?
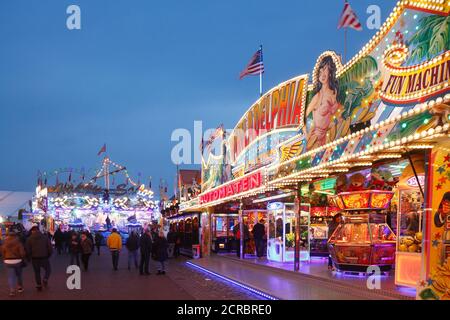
[
  {"x": 255, "y": 65},
  {"x": 349, "y": 18},
  {"x": 216, "y": 134},
  {"x": 103, "y": 149}
]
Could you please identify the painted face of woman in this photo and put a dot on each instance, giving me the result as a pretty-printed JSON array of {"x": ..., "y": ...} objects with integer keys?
[
  {"x": 324, "y": 74},
  {"x": 446, "y": 207}
]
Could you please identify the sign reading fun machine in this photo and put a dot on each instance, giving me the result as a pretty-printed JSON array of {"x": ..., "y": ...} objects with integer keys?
[{"x": 341, "y": 111}]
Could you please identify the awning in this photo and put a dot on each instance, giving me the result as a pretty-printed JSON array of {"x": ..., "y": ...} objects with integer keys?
[{"x": 11, "y": 202}]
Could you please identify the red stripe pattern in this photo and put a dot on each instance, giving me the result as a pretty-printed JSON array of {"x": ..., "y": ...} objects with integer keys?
[
  {"x": 349, "y": 18},
  {"x": 255, "y": 66}
]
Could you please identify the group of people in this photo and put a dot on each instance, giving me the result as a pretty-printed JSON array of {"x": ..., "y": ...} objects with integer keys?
[
  {"x": 63, "y": 240},
  {"x": 149, "y": 244},
  {"x": 259, "y": 237},
  {"x": 17, "y": 250}
]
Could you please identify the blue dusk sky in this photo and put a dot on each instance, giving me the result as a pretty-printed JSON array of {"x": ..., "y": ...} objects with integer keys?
[{"x": 139, "y": 69}]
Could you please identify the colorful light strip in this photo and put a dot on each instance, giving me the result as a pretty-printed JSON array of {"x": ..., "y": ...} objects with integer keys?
[{"x": 243, "y": 286}]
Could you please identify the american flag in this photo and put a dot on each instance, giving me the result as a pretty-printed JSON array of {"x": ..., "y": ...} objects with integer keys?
[
  {"x": 349, "y": 18},
  {"x": 255, "y": 66}
]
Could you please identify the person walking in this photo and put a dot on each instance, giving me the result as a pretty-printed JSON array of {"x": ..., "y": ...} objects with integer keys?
[
  {"x": 75, "y": 249},
  {"x": 39, "y": 250},
  {"x": 145, "y": 244},
  {"x": 114, "y": 243},
  {"x": 67, "y": 241},
  {"x": 176, "y": 250},
  {"x": 258, "y": 235},
  {"x": 132, "y": 245},
  {"x": 237, "y": 237},
  {"x": 161, "y": 251},
  {"x": 171, "y": 239},
  {"x": 13, "y": 253},
  {"x": 90, "y": 237},
  {"x": 332, "y": 225},
  {"x": 86, "y": 250},
  {"x": 98, "y": 241},
  {"x": 59, "y": 240}
]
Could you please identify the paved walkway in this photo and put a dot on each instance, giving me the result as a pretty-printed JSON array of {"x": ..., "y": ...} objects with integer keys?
[
  {"x": 101, "y": 282},
  {"x": 318, "y": 269},
  {"x": 286, "y": 284}
]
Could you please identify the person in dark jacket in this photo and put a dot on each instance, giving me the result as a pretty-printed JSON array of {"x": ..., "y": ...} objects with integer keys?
[
  {"x": 161, "y": 251},
  {"x": 132, "y": 245},
  {"x": 39, "y": 249},
  {"x": 75, "y": 249},
  {"x": 98, "y": 241},
  {"x": 331, "y": 228},
  {"x": 258, "y": 235},
  {"x": 59, "y": 240},
  {"x": 90, "y": 237},
  {"x": 146, "y": 244},
  {"x": 176, "y": 250},
  {"x": 67, "y": 241},
  {"x": 237, "y": 237},
  {"x": 86, "y": 250}
]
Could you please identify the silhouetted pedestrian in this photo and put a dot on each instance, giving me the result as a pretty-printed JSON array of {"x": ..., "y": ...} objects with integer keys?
[
  {"x": 86, "y": 250},
  {"x": 39, "y": 249},
  {"x": 145, "y": 244}
]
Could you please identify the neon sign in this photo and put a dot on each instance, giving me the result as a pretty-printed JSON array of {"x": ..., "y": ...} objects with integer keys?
[{"x": 235, "y": 187}]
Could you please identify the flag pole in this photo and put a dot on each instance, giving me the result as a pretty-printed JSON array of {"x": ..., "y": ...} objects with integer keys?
[
  {"x": 260, "y": 75},
  {"x": 345, "y": 45}
]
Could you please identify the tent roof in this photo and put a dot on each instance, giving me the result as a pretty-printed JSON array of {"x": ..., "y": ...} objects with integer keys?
[{"x": 12, "y": 201}]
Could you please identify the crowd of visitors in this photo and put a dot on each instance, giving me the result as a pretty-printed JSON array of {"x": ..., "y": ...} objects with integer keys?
[{"x": 20, "y": 248}]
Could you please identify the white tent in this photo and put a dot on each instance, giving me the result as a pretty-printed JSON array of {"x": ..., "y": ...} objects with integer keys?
[{"x": 12, "y": 201}]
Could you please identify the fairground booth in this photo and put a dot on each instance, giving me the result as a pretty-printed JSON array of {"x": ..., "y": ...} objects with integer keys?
[
  {"x": 183, "y": 226},
  {"x": 73, "y": 199},
  {"x": 367, "y": 140}
]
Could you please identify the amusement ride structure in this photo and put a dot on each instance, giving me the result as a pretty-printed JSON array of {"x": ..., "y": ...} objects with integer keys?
[{"x": 87, "y": 204}]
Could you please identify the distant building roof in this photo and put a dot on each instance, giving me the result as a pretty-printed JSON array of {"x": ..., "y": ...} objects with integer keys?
[
  {"x": 12, "y": 201},
  {"x": 187, "y": 176}
]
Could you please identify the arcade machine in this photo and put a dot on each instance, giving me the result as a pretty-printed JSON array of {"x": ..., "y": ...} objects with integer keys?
[
  {"x": 222, "y": 232},
  {"x": 320, "y": 218},
  {"x": 363, "y": 238}
]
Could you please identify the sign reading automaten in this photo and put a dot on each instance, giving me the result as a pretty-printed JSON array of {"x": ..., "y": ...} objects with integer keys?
[
  {"x": 416, "y": 83},
  {"x": 235, "y": 187}
]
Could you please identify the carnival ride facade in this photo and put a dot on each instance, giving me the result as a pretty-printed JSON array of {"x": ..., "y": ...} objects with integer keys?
[{"x": 88, "y": 205}]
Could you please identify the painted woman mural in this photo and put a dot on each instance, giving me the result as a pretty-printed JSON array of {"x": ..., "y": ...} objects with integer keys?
[{"x": 324, "y": 104}]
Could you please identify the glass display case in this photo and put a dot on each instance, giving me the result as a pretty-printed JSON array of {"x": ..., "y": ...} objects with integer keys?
[
  {"x": 320, "y": 218},
  {"x": 319, "y": 238},
  {"x": 222, "y": 232},
  {"x": 281, "y": 232},
  {"x": 409, "y": 231}
]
